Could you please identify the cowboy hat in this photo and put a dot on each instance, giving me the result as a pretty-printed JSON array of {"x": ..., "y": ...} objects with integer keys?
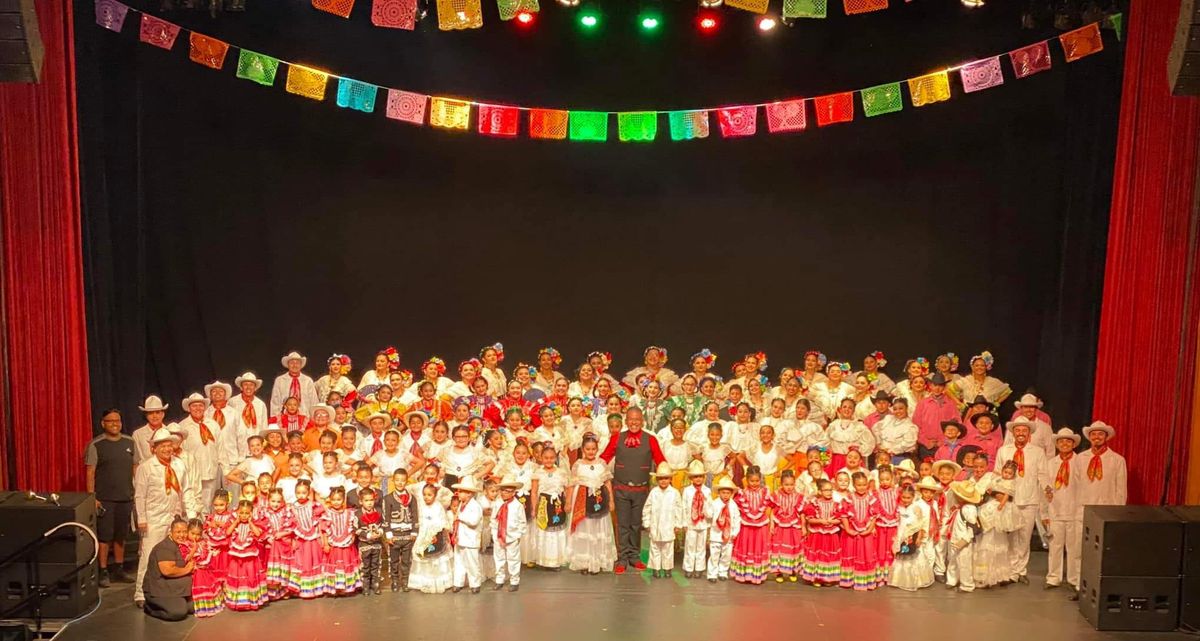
[
  {"x": 966, "y": 491},
  {"x": 1028, "y": 400},
  {"x": 412, "y": 413},
  {"x": 194, "y": 397},
  {"x": 696, "y": 468},
  {"x": 975, "y": 419},
  {"x": 1101, "y": 426},
  {"x": 1067, "y": 432},
  {"x": 1011, "y": 424},
  {"x": 294, "y": 355},
  {"x": 162, "y": 434},
  {"x": 961, "y": 428},
  {"x": 176, "y": 428},
  {"x": 881, "y": 396},
  {"x": 386, "y": 417},
  {"x": 271, "y": 427},
  {"x": 153, "y": 404},
  {"x": 725, "y": 483},
  {"x": 1004, "y": 486},
  {"x": 321, "y": 407},
  {"x": 938, "y": 379},
  {"x": 928, "y": 483},
  {"x": 662, "y": 471},
  {"x": 510, "y": 481},
  {"x": 906, "y": 466},
  {"x": 982, "y": 400},
  {"x": 937, "y": 465},
  {"x": 468, "y": 484},
  {"x": 208, "y": 388},
  {"x": 248, "y": 377}
]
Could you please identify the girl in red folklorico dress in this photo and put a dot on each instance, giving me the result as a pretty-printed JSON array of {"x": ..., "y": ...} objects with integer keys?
[
  {"x": 343, "y": 566},
  {"x": 887, "y": 522},
  {"x": 822, "y": 537},
  {"x": 860, "y": 563},
  {"x": 208, "y": 598},
  {"x": 308, "y": 557},
  {"x": 787, "y": 535},
  {"x": 246, "y": 581},
  {"x": 283, "y": 579},
  {"x": 257, "y": 505},
  {"x": 751, "y": 549},
  {"x": 216, "y": 526}
]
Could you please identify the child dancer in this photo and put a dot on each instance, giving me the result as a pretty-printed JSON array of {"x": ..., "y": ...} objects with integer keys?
[
  {"x": 343, "y": 573},
  {"x": 724, "y": 525},
  {"x": 887, "y": 521},
  {"x": 661, "y": 517},
  {"x": 216, "y": 532},
  {"x": 370, "y": 540},
  {"x": 432, "y": 565},
  {"x": 208, "y": 597},
  {"x": 841, "y": 486},
  {"x": 508, "y": 528},
  {"x": 963, "y": 523},
  {"x": 283, "y": 580},
  {"x": 549, "y": 488},
  {"x": 246, "y": 580},
  {"x": 998, "y": 517},
  {"x": 912, "y": 567},
  {"x": 401, "y": 522},
  {"x": 787, "y": 534},
  {"x": 716, "y": 454},
  {"x": 823, "y": 542},
  {"x": 489, "y": 499},
  {"x": 751, "y": 549},
  {"x": 807, "y": 483},
  {"x": 465, "y": 535},
  {"x": 696, "y": 512},
  {"x": 591, "y": 548},
  {"x": 860, "y": 563},
  {"x": 309, "y": 557}
]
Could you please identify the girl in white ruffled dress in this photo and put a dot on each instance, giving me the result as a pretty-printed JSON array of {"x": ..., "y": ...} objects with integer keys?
[
  {"x": 433, "y": 563},
  {"x": 997, "y": 517},
  {"x": 591, "y": 547},
  {"x": 548, "y": 530},
  {"x": 912, "y": 568}
]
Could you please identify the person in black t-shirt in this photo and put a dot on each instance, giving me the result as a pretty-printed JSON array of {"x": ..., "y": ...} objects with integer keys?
[
  {"x": 168, "y": 582},
  {"x": 110, "y": 462}
]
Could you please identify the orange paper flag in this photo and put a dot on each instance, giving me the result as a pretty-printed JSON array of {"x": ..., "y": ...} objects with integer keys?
[
  {"x": 1081, "y": 42},
  {"x": 207, "y": 51},
  {"x": 336, "y": 7}
]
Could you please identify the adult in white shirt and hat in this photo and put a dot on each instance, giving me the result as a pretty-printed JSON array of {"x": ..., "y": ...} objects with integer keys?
[
  {"x": 231, "y": 442},
  {"x": 252, "y": 412},
  {"x": 1041, "y": 434},
  {"x": 294, "y": 383},
  {"x": 160, "y": 493},
  {"x": 155, "y": 411},
  {"x": 1028, "y": 485},
  {"x": 204, "y": 443},
  {"x": 1058, "y": 512},
  {"x": 1098, "y": 473}
]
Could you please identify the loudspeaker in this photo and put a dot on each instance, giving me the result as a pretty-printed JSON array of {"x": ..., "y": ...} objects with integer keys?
[
  {"x": 1137, "y": 603},
  {"x": 26, "y": 520},
  {"x": 1189, "y": 603},
  {"x": 1190, "y": 515},
  {"x": 1131, "y": 541},
  {"x": 1183, "y": 63},
  {"x": 69, "y": 601},
  {"x": 21, "y": 50}
]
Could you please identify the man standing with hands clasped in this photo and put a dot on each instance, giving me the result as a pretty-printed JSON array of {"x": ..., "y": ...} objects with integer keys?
[{"x": 110, "y": 463}]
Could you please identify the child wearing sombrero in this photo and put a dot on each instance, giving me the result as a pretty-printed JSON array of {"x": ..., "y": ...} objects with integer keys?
[
  {"x": 466, "y": 536},
  {"x": 725, "y": 524},
  {"x": 963, "y": 526},
  {"x": 912, "y": 568}
]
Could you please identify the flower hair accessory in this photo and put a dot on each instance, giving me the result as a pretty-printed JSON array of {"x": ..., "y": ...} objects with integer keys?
[
  {"x": 473, "y": 362},
  {"x": 921, "y": 362},
  {"x": 953, "y": 358},
  {"x": 521, "y": 365},
  {"x": 986, "y": 357},
  {"x": 392, "y": 356},
  {"x": 660, "y": 350},
  {"x": 461, "y": 400},
  {"x": 406, "y": 376},
  {"x": 706, "y": 354},
  {"x": 605, "y": 359},
  {"x": 879, "y": 358},
  {"x": 498, "y": 348},
  {"x": 343, "y": 360},
  {"x": 821, "y": 358},
  {"x": 763, "y": 381},
  {"x": 515, "y": 410},
  {"x": 434, "y": 360},
  {"x": 761, "y": 357},
  {"x": 555, "y": 357},
  {"x": 844, "y": 366}
]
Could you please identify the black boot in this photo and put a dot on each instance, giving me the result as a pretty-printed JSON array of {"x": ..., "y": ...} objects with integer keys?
[{"x": 104, "y": 581}]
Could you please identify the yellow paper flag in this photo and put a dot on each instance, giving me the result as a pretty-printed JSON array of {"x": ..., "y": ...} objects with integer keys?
[
  {"x": 459, "y": 14},
  {"x": 449, "y": 113},
  {"x": 934, "y": 87},
  {"x": 306, "y": 82}
]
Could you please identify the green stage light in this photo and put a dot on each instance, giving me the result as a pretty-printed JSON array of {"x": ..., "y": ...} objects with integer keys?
[
  {"x": 649, "y": 23},
  {"x": 589, "y": 20}
]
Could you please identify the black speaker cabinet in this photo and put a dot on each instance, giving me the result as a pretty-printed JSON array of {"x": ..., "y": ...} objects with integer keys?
[
  {"x": 1131, "y": 541},
  {"x": 21, "y": 50},
  {"x": 25, "y": 520},
  {"x": 1190, "y": 515},
  {"x": 74, "y": 599},
  {"x": 1189, "y": 603},
  {"x": 1135, "y": 603}
]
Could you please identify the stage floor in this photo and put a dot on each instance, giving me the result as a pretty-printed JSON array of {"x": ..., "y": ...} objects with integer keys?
[{"x": 612, "y": 608}]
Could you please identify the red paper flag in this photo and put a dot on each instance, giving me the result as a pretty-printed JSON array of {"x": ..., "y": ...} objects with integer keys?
[
  {"x": 336, "y": 7},
  {"x": 406, "y": 106},
  {"x": 834, "y": 108},
  {"x": 394, "y": 14},
  {"x": 786, "y": 116},
  {"x": 738, "y": 121},
  {"x": 550, "y": 124},
  {"x": 1027, "y": 61},
  {"x": 1081, "y": 42},
  {"x": 497, "y": 120},
  {"x": 158, "y": 32},
  {"x": 207, "y": 51}
]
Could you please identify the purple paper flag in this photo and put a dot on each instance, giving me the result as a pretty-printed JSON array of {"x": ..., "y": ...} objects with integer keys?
[
  {"x": 981, "y": 74},
  {"x": 110, "y": 14}
]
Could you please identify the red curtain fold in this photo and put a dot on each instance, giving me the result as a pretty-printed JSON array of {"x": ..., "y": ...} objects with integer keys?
[
  {"x": 43, "y": 274},
  {"x": 1144, "y": 364}
]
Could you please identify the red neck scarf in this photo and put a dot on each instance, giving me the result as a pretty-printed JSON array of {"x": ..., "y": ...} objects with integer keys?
[
  {"x": 219, "y": 416},
  {"x": 248, "y": 416},
  {"x": 633, "y": 439},
  {"x": 206, "y": 435},
  {"x": 724, "y": 523},
  {"x": 1063, "y": 477},
  {"x": 294, "y": 388},
  {"x": 502, "y": 523},
  {"x": 170, "y": 480},
  {"x": 697, "y": 514},
  {"x": 1095, "y": 471},
  {"x": 1019, "y": 459}
]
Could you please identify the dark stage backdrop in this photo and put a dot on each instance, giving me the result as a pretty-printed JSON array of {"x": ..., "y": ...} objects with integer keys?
[{"x": 227, "y": 223}]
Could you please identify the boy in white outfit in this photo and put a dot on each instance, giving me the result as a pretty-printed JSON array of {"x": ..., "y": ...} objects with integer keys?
[
  {"x": 725, "y": 521},
  {"x": 466, "y": 534},
  {"x": 694, "y": 515},
  {"x": 508, "y": 528},
  {"x": 661, "y": 517},
  {"x": 964, "y": 525},
  {"x": 1058, "y": 512}
]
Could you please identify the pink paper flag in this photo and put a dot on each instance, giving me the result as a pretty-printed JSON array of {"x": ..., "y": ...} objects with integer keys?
[
  {"x": 786, "y": 116},
  {"x": 406, "y": 106},
  {"x": 158, "y": 32},
  {"x": 497, "y": 120},
  {"x": 1027, "y": 61},
  {"x": 981, "y": 74},
  {"x": 110, "y": 14},
  {"x": 738, "y": 121},
  {"x": 395, "y": 14}
]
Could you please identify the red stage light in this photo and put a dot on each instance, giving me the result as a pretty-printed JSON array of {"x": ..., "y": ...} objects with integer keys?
[
  {"x": 708, "y": 24},
  {"x": 525, "y": 18}
]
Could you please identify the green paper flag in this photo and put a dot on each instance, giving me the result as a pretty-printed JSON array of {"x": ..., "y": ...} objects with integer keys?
[
  {"x": 637, "y": 125},
  {"x": 882, "y": 99},
  {"x": 687, "y": 125},
  {"x": 588, "y": 125},
  {"x": 510, "y": 8},
  {"x": 257, "y": 67},
  {"x": 805, "y": 8},
  {"x": 1117, "y": 21}
]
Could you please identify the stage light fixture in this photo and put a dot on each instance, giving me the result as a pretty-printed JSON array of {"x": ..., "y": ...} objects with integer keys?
[
  {"x": 973, "y": 3},
  {"x": 767, "y": 23},
  {"x": 711, "y": 4},
  {"x": 649, "y": 22},
  {"x": 589, "y": 20},
  {"x": 525, "y": 18},
  {"x": 707, "y": 23},
  {"x": 569, "y": 3}
]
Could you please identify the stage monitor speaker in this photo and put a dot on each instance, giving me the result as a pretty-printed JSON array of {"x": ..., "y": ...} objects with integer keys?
[
  {"x": 21, "y": 50},
  {"x": 1189, "y": 603},
  {"x": 1190, "y": 515},
  {"x": 1131, "y": 541},
  {"x": 1183, "y": 63},
  {"x": 1132, "y": 603},
  {"x": 27, "y": 519},
  {"x": 15, "y": 631},
  {"x": 69, "y": 601}
]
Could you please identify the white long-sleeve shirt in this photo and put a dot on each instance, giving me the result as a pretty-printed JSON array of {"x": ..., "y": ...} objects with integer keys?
[
  {"x": 515, "y": 523},
  {"x": 897, "y": 436},
  {"x": 1063, "y": 504},
  {"x": 238, "y": 403},
  {"x": 843, "y": 433},
  {"x": 206, "y": 455},
  {"x": 735, "y": 520},
  {"x": 685, "y": 508},
  {"x": 793, "y": 436},
  {"x": 1111, "y": 489},
  {"x": 470, "y": 516},
  {"x": 661, "y": 513},
  {"x": 280, "y": 392},
  {"x": 231, "y": 442},
  {"x": 1029, "y": 488},
  {"x": 154, "y": 504}
]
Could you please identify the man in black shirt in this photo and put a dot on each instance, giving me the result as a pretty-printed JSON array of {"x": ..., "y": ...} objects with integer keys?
[
  {"x": 110, "y": 462},
  {"x": 168, "y": 582}
]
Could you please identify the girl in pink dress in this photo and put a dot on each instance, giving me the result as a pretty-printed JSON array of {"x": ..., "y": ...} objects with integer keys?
[
  {"x": 787, "y": 535},
  {"x": 216, "y": 527},
  {"x": 751, "y": 548},
  {"x": 822, "y": 537},
  {"x": 308, "y": 556},
  {"x": 283, "y": 579},
  {"x": 246, "y": 581},
  {"x": 887, "y": 522},
  {"x": 208, "y": 597},
  {"x": 860, "y": 563},
  {"x": 343, "y": 567}
]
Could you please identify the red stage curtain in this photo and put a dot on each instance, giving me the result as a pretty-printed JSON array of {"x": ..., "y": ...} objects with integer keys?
[
  {"x": 1144, "y": 364},
  {"x": 43, "y": 273}
]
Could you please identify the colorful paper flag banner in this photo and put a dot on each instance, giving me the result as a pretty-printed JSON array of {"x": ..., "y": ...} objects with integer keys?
[
  {"x": 359, "y": 96},
  {"x": 406, "y": 106},
  {"x": 449, "y": 113},
  {"x": 394, "y": 14},
  {"x": 336, "y": 7},
  {"x": 930, "y": 88},
  {"x": 865, "y": 6},
  {"x": 110, "y": 14},
  {"x": 637, "y": 126},
  {"x": 882, "y": 99},
  {"x": 257, "y": 67},
  {"x": 736, "y": 122},
  {"x": 1116, "y": 21},
  {"x": 548, "y": 124},
  {"x": 459, "y": 14},
  {"x": 753, "y": 6},
  {"x": 306, "y": 82},
  {"x": 1027, "y": 61},
  {"x": 498, "y": 120},
  {"x": 1081, "y": 42},
  {"x": 688, "y": 125},
  {"x": 207, "y": 51},
  {"x": 158, "y": 32},
  {"x": 787, "y": 115},
  {"x": 510, "y": 8},
  {"x": 591, "y": 126},
  {"x": 981, "y": 74},
  {"x": 834, "y": 108},
  {"x": 805, "y": 8}
]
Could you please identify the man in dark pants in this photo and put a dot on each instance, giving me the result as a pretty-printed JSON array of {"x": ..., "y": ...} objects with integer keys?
[
  {"x": 168, "y": 582},
  {"x": 636, "y": 454},
  {"x": 109, "y": 460}
]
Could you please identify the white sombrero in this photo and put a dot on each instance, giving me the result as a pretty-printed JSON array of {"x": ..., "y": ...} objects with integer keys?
[{"x": 294, "y": 355}]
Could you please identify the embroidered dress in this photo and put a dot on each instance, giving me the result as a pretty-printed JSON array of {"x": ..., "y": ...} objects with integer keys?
[
  {"x": 432, "y": 561},
  {"x": 283, "y": 577},
  {"x": 215, "y": 526},
  {"x": 751, "y": 549},
  {"x": 823, "y": 545},
  {"x": 787, "y": 556},
  {"x": 550, "y": 519},
  {"x": 885, "y": 529},
  {"x": 860, "y": 566},
  {"x": 693, "y": 406},
  {"x": 591, "y": 547},
  {"x": 343, "y": 568},
  {"x": 309, "y": 557},
  {"x": 246, "y": 581},
  {"x": 208, "y": 596},
  {"x": 912, "y": 567},
  {"x": 992, "y": 562}
]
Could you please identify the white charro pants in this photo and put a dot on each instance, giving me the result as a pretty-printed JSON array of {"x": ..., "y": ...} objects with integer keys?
[
  {"x": 154, "y": 535},
  {"x": 719, "y": 556},
  {"x": 1018, "y": 541},
  {"x": 960, "y": 567},
  {"x": 466, "y": 568},
  {"x": 662, "y": 555},
  {"x": 1064, "y": 536},
  {"x": 695, "y": 547},
  {"x": 507, "y": 559}
]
